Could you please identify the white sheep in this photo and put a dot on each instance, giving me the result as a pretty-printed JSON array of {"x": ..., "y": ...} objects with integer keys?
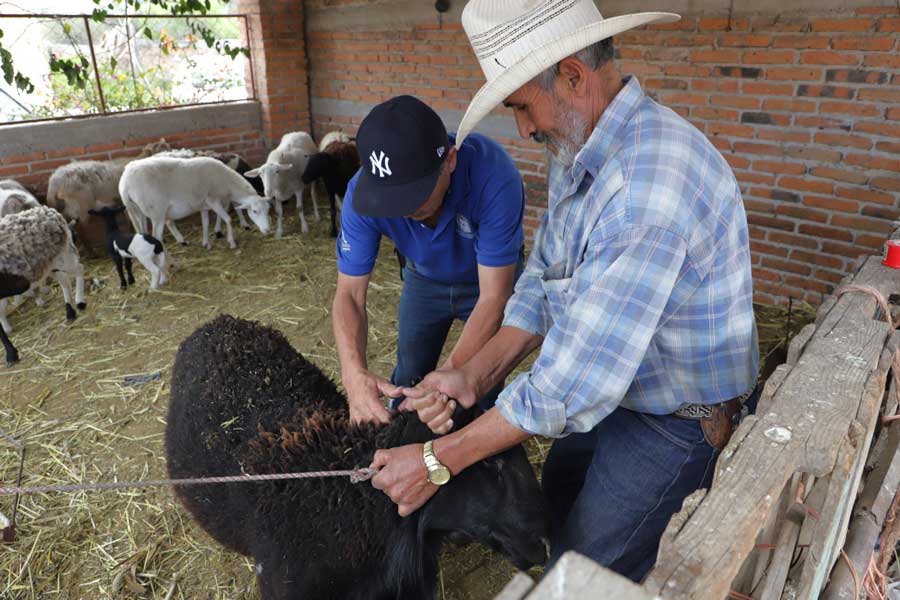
[
  {"x": 282, "y": 175},
  {"x": 13, "y": 200},
  {"x": 33, "y": 244},
  {"x": 167, "y": 189},
  {"x": 79, "y": 186}
]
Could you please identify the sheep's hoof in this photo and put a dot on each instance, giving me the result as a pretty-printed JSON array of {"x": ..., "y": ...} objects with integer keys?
[
  {"x": 70, "y": 312},
  {"x": 83, "y": 305},
  {"x": 131, "y": 281},
  {"x": 123, "y": 286},
  {"x": 11, "y": 360},
  {"x": 219, "y": 235}
]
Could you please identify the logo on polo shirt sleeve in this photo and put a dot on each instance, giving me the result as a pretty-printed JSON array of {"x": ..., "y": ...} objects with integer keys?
[
  {"x": 382, "y": 163},
  {"x": 464, "y": 226}
]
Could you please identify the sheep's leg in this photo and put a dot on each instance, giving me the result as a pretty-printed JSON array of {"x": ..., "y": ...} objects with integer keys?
[
  {"x": 12, "y": 355},
  {"x": 204, "y": 218},
  {"x": 314, "y": 198},
  {"x": 4, "y": 322},
  {"x": 220, "y": 210},
  {"x": 242, "y": 219},
  {"x": 79, "y": 285},
  {"x": 304, "y": 227},
  {"x": 279, "y": 211},
  {"x": 170, "y": 225},
  {"x": 117, "y": 259},
  {"x": 161, "y": 262},
  {"x": 130, "y": 272},
  {"x": 333, "y": 210},
  {"x": 146, "y": 257},
  {"x": 217, "y": 230},
  {"x": 340, "y": 202},
  {"x": 63, "y": 278}
]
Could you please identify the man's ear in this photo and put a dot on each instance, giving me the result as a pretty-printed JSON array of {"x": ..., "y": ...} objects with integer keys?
[
  {"x": 451, "y": 158},
  {"x": 572, "y": 75}
]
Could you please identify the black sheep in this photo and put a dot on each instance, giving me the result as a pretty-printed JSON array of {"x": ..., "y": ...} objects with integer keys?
[
  {"x": 12, "y": 285},
  {"x": 336, "y": 166},
  {"x": 244, "y": 401}
]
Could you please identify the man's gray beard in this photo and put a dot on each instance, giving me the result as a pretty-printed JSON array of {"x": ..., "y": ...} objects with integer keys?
[{"x": 568, "y": 144}]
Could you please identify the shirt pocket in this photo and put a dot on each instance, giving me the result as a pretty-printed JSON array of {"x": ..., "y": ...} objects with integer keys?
[{"x": 556, "y": 289}]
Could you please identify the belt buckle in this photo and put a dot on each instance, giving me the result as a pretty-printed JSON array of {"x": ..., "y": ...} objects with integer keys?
[{"x": 694, "y": 411}]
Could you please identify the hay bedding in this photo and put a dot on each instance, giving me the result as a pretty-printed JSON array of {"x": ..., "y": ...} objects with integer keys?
[{"x": 79, "y": 399}]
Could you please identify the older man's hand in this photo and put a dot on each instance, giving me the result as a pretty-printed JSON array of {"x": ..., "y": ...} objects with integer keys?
[
  {"x": 403, "y": 477},
  {"x": 435, "y": 410}
]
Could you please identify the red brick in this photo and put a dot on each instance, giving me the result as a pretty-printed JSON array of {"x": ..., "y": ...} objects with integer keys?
[
  {"x": 816, "y": 258},
  {"x": 806, "y": 185},
  {"x": 831, "y": 276},
  {"x": 682, "y": 98},
  {"x": 826, "y": 91},
  {"x": 831, "y": 204},
  {"x": 874, "y": 44},
  {"x": 800, "y": 41},
  {"x": 714, "y": 24},
  {"x": 880, "y": 95},
  {"x": 758, "y": 178},
  {"x": 768, "y": 57},
  {"x": 822, "y": 123},
  {"x": 863, "y": 223},
  {"x": 693, "y": 40},
  {"x": 716, "y": 56},
  {"x": 891, "y": 25},
  {"x": 890, "y": 61},
  {"x": 784, "y": 265},
  {"x": 13, "y": 170},
  {"x": 793, "y": 74},
  {"x": 715, "y": 114},
  {"x": 767, "y": 89},
  {"x": 761, "y": 247},
  {"x": 844, "y": 250},
  {"x": 779, "y": 167},
  {"x": 73, "y": 152},
  {"x": 685, "y": 23},
  {"x": 892, "y": 147},
  {"x": 687, "y": 70},
  {"x": 780, "y": 135},
  {"x": 842, "y": 24},
  {"x": 889, "y": 213},
  {"x": 871, "y": 241},
  {"x": 33, "y": 156},
  {"x": 878, "y": 128},
  {"x": 865, "y": 195},
  {"x": 794, "y": 106},
  {"x": 48, "y": 165},
  {"x": 764, "y": 274},
  {"x": 792, "y": 239},
  {"x": 840, "y": 139},
  {"x": 857, "y": 177},
  {"x": 736, "y": 101},
  {"x": 743, "y": 39},
  {"x": 737, "y": 162},
  {"x": 750, "y": 148},
  {"x": 822, "y": 57},
  {"x": 850, "y": 108},
  {"x": 873, "y": 162},
  {"x": 892, "y": 114},
  {"x": 802, "y": 213},
  {"x": 764, "y": 118},
  {"x": 822, "y": 231},
  {"x": 876, "y": 10},
  {"x": 818, "y": 288},
  {"x": 716, "y": 85},
  {"x": 886, "y": 183},
  {"x": 770, "y": 222}
]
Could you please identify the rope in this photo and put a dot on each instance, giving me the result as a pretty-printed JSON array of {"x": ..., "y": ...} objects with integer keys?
[
  {"x": 355, "y": 475},
  {"x": 886, "y": 310}
]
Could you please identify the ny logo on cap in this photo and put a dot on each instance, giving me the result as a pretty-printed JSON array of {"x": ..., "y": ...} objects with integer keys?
[{"x": 382, "y": 163}]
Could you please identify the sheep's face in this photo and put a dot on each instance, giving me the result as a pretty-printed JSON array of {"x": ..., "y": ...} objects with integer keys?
[
  {"x": 258, "y": 209},
  {"x": 276, "y": 178},
  {"x": 316, "y": 167},
  {"x": 497, "y": 502}
]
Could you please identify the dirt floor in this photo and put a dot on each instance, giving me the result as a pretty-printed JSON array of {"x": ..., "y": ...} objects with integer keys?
[{"x": 83, "y": 418}]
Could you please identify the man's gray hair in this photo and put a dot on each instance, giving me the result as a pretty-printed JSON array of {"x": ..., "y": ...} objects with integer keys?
[{"x": 594, "y": 56}]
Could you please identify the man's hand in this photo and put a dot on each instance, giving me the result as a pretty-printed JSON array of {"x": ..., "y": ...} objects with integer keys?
[
  {"x": 452, "y": 384},
  {"x": 435, "y": 410},
  {"x": 403, "y": 477},
  {"x": 364, "y": 396}
]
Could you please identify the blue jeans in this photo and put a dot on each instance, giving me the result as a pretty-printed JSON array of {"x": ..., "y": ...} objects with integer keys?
[
  {"x": 427, "y": 310},
  {"x": 613, "y": 489}
]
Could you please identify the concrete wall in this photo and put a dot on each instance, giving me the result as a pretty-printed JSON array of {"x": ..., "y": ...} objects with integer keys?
[{"x": 802, "y": 98}]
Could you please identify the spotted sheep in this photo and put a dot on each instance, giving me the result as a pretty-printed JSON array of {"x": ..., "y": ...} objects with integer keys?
[{"x": 123, "y": 247}]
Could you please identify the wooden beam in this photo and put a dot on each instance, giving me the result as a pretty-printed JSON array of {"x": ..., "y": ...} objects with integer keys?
[
  {"x": 576, "y": 577},
  {"x": 803, "y": 430}
]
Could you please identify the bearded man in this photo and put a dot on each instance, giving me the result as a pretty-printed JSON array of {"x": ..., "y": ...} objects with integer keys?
[{"x": 638, "y": 292}]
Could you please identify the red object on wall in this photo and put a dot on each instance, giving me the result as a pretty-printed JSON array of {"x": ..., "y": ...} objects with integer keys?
[{"x": 892, "y": 254}]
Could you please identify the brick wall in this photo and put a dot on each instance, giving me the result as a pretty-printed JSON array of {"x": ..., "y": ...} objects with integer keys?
[{"x": 806, "y": 108}]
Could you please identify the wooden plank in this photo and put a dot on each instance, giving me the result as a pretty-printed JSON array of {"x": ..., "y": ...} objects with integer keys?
[
  {"x": 810, "y": 414},
  {"x": 517, "y": 588},
  {"x": 785, "y": 546},
  {"x": 798, "y": 343},
  {"x": 771, "y": 388},
  {"x": 576, "y": 577}
]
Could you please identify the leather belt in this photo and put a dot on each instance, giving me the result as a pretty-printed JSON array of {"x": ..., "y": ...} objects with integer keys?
[{"x": 718, "y": 421}]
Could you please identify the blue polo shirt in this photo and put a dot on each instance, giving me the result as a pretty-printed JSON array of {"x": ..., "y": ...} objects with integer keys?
[{"x": 480, "y": 221}]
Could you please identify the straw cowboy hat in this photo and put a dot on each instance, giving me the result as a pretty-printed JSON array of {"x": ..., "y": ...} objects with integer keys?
[{"x": 515, "y": 40}]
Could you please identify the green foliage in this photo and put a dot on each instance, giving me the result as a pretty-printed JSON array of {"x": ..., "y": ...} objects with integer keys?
[{"x": 75, "y": 71}]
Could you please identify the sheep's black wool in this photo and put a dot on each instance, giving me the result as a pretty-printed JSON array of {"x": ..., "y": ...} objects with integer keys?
[
  {"x": 244, "y": 401},
  {"x": 335, "y": 165}
]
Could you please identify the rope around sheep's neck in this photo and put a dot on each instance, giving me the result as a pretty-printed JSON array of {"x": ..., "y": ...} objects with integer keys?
[{"x": 355, "y": 475}]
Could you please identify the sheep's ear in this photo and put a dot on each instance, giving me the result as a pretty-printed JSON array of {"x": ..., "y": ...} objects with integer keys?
[{"x": 253, "y": 172}]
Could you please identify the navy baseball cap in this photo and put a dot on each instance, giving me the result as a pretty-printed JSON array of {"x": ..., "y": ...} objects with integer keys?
[{"x": 401, "y": 143}]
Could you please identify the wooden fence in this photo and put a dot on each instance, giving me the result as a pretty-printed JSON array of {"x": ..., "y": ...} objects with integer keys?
[{"x": 804, "y": 491}]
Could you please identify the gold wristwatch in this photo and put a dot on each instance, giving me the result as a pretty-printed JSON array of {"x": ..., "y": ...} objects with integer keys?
[{"x": 438, "y": 474}]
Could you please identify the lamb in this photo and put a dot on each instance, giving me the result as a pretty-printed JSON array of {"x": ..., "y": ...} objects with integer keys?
[
  {"x": 75, "y": 188},
  {"x": 244, "y": 401},
  {"x": 282, "y": 175},
  {"x": 146, "y": 249},
  {"x": 33, "y": 244},
  {"x": 336, "y": 166},
  {"x": 15, "y": 199},
  {"x": 167, "y": 189}
]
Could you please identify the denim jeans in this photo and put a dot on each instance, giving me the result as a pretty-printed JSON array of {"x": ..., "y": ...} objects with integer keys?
[
  {"x": 613, "y": 489},
  {"x": 427, "y": 310}
]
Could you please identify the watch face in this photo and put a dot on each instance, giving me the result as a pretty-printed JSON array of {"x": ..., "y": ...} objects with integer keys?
[{"x": 439, "y": 476}]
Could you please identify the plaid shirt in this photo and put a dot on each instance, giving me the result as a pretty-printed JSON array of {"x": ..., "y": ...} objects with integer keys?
[{"x": 639, "y": 279}]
